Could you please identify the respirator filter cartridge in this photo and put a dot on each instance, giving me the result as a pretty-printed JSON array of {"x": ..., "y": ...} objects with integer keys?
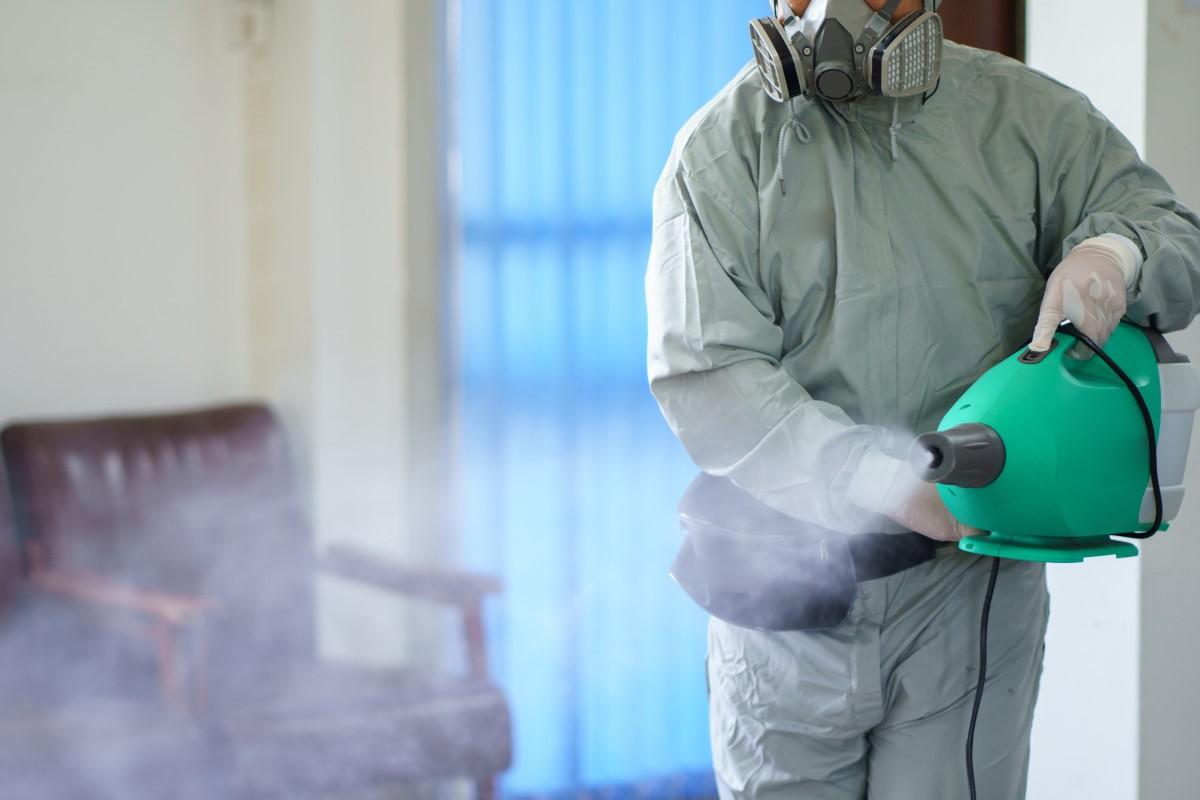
[{"x": 908, "y": 59}]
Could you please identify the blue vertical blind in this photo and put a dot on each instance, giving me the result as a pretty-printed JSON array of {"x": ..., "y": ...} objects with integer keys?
[{"x": 565, "y": 114}]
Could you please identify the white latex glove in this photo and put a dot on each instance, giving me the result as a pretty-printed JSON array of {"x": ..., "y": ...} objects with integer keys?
[
  {"x": 889, "y": 486},
  {"x": 1088, "y": 287},
  {"x": 924, "y": 512}
]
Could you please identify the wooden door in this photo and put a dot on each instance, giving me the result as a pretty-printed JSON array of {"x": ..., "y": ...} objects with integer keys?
[{"x": 991, "y": 24}]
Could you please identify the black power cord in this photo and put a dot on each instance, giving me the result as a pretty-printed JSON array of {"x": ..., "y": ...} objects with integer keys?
[
  {"x": 1147, "y": 418},
  {"x": 1151, "y": 439},
  {"x": 983, "y": 626}
]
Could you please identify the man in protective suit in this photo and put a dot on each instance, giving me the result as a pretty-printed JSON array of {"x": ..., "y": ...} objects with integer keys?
[{"x": 848, "y": 235}]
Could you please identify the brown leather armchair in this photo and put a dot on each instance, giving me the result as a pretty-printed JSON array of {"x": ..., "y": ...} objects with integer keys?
[
  {"x": 182, "y": 540},
  {"x": 68, "y": 727}
]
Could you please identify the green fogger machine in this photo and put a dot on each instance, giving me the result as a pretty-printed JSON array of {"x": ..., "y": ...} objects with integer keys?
[{"x": 1050, "y": 453}]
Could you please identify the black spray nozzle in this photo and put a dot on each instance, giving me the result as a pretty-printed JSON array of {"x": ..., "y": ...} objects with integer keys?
[{"x": 970, "y": 455}]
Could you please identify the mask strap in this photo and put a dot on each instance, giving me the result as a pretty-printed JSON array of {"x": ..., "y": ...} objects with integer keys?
[
  {"x": 889, "y": 9},
  {"x": 878, "y": 24}
]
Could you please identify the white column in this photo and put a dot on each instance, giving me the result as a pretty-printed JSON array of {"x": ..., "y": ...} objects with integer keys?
[
  {"x": 1170, "y": 651},
  {"x": 357, "y": 294},
  {"x": 344, "y": 303}
]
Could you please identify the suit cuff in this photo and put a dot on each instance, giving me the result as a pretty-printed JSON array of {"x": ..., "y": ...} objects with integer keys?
[
  {"x": 881, "y": 483},
  {"x": 1125, "y": 250}
]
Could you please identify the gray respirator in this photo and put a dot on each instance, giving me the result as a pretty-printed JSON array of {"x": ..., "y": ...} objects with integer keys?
[{"x": 841, "y": 50}]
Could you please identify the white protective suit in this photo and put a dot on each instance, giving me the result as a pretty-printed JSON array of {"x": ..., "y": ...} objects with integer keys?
[{"x": 822, "y": 276}]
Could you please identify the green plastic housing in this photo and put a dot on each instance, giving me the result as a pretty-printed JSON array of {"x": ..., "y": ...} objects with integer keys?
[{"x": 1076, "y": 466}]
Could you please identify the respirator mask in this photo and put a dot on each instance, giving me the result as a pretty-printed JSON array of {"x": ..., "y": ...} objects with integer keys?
[{"x": 841, "y": 50}]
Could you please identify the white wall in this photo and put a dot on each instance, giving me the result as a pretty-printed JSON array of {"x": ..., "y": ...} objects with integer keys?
[
  {"x": 1098, "y": 48},
  {"x": 1118, "y": 706},
  {"x": 189, "y": 216},
  {"x": 120, "y": 217}
]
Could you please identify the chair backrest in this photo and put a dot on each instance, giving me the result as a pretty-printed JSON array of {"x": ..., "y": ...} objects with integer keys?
[{"x": 203, "y": 502}]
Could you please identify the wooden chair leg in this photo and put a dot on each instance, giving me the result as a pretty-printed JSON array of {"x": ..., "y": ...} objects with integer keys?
[{"x": 485, "y": 789}]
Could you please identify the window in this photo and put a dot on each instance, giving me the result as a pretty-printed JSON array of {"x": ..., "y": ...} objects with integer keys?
[{"x": 564, "y": 116}]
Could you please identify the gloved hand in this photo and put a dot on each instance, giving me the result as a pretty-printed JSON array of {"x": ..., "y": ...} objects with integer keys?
[
  {"x": 1088, "y": 287},
  {"x": 924, "y": 512},
  {"x": 888, "y": 486}
]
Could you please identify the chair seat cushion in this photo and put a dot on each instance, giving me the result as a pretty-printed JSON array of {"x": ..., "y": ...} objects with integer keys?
[{"x": 329, "y": 726}]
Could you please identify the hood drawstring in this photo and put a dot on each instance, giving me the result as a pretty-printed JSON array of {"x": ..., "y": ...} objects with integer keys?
[
  {"x": 895, "y": 126},
  {"x": 794, "y": 125}
]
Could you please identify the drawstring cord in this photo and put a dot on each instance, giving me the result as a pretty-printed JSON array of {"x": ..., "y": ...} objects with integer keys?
[
  {"x": 895, "y": 126},
  {"x": 804, "y": 136}
]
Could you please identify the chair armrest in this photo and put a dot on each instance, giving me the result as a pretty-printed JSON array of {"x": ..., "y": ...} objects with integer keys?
[
  {"x": 95, "y": 590},
  {"x": 177, "y": 643},
  {"x": 460, "y": 589}
]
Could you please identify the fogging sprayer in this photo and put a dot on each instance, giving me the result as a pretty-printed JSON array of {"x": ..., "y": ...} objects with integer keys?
[{"x": 1053, "y": 456}]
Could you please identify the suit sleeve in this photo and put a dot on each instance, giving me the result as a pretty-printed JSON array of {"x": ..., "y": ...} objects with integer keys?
[
  {"x": 714, "y": 357},
  {"x": 1105, "y": 187}
]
